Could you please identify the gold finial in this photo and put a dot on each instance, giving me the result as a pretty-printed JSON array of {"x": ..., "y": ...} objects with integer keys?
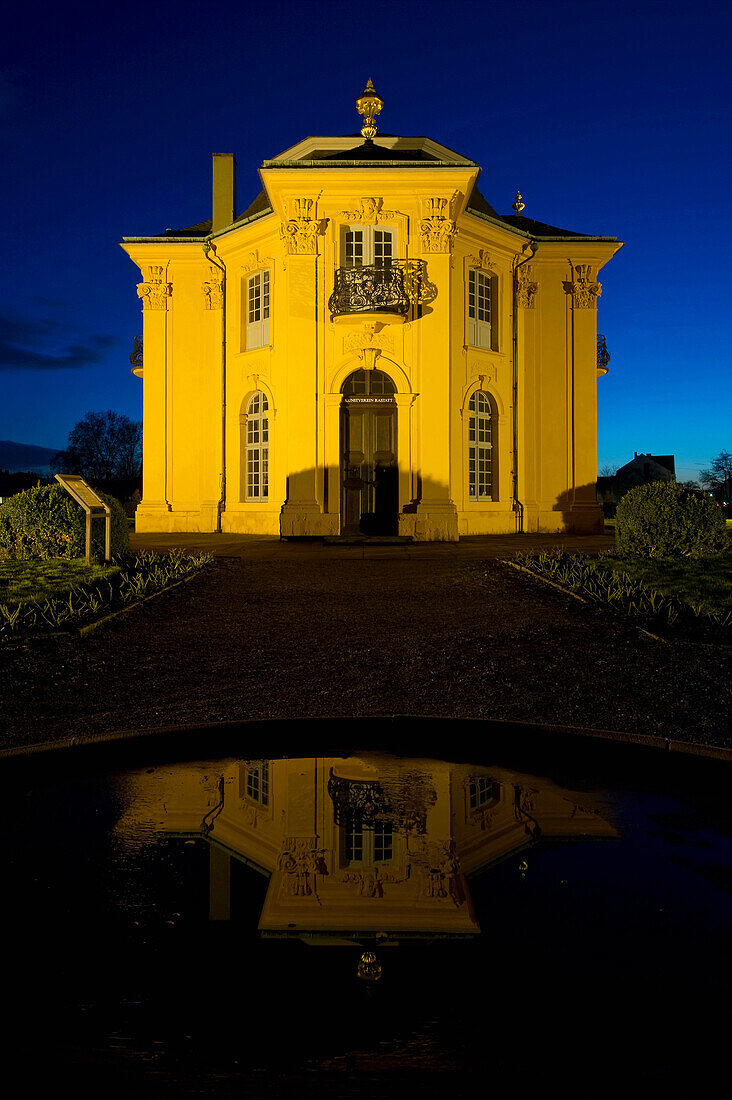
[
  {"x": 518, "y": 205},
  {"x": 369, "y": 105}
]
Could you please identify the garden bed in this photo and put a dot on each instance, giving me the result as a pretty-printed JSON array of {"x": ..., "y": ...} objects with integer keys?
[
  {"x": 24, "y": 581},
  {"x": 687, "y": 598},
  {"x": 50, "y": 596}
]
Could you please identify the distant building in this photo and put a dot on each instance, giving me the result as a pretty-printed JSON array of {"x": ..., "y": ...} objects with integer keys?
[
  {"x": 644, "y": 468},
  {"x": 369, "y": 347},
  {"x": 639, "y": 471}
]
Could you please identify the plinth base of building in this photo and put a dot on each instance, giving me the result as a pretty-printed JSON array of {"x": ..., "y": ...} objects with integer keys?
[
  {"x": 307, "y": 521},
  {"x": 578, "y": 519},
  {"x": 431, "y": 521}
]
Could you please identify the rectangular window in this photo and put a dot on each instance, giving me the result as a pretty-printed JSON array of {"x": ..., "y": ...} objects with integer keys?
[
  {"x": 366, "y": 246},
  {"x": 481, "y": 791},
  {"x": 368, "y": 844},
  {"x": 257, "y": 785},
  {"x": 257, "y": 310},
  {"x": 479, "y": 309}
]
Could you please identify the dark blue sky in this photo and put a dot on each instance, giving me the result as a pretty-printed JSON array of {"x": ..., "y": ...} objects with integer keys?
[{"x": 612, "y": 118}]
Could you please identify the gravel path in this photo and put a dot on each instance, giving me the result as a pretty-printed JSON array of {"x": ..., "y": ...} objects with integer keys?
[{"x": 359, "y": 635}]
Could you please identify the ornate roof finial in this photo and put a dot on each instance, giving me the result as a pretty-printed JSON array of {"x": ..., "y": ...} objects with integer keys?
[
  {"x": 369, "y": 105},
  {"x": 518, "y": 205}
]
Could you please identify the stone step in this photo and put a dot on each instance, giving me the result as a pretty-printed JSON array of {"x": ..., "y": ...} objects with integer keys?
[{"x": 368, "y": 540}]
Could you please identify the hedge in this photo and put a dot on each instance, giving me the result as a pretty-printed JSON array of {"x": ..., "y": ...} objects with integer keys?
[
  {"x": 666, "y": 520},
  {"x": 45, "y": 523}
]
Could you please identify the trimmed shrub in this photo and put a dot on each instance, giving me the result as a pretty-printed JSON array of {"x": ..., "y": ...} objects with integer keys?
[
  {"x": 666, "y": 520},
  {"x": 46, "y": 523}
]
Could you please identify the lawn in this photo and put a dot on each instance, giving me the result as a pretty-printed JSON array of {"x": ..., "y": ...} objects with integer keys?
[
  {"x": 704, "y": 581},
  {"x": 21, "y": 581}
]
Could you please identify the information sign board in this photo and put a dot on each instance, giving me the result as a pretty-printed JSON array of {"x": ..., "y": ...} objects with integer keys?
[{"x": 93, "y": 505}]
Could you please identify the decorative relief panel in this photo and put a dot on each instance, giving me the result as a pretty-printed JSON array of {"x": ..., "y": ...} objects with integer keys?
[
  {"x": 300, "y": 230},
  {"x": 153, "y": 290},
  {"x": 526, "y": 288},
  {"x": 437, "y": 229},
  {"x": 480, "y": 370},
  {"x": 369, "y": 213},
  {"x": 213, "y": 291},
  {"x": 585, "y": 290}
]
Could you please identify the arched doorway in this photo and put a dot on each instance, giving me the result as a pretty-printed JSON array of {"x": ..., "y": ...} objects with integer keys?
[{"x": 369, "y": 473}]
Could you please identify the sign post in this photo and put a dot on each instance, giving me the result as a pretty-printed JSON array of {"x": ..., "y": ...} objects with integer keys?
[{"x": 94, "y": 507}]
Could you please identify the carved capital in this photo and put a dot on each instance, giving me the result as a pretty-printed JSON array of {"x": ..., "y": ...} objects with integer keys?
[
  {"x": 526, "y": 288},
  {"x": 153, "y": 290},
  {"x": 585, "y": 290},
  {"x": 437, "y": 229},
  {"x": 439, "y": 867},
  {"x": 213, "y": 291},
  {"x": 300, "y": 230},
  {"x": 299, "y": 861}
]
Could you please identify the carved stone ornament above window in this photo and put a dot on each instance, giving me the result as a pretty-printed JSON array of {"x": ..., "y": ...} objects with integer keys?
[
  {"x": 437, "y": 229},
  {"x": 153, "y": 290},
  {"x": 369, "y": 213},
  {"x": 251, "y": 262},
  {"x": 526, "y": 288},
  {"x": 369, "y": 338},
  {"x": 480, "y": 259},
  {"x": 300, "y": 230},
  {"x": 213, "y": 291},
  {"x": 585, "y": 290}
]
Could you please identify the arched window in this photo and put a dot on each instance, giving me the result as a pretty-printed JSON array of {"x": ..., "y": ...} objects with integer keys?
[
  {"x": 368, "y": 382},
  {"x": 480, "y": 448},
  {"x": 257, "y": 448}
]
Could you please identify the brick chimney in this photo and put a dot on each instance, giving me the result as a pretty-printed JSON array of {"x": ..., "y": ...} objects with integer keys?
[{"x": 224, "y": 190}]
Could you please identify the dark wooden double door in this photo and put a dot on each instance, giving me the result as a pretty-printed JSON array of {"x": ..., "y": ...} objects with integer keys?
[{"x": 369, "y": 471}]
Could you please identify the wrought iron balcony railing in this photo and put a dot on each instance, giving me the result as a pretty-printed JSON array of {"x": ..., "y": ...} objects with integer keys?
[
  {"x": 371, "y": 289},
  {"x": 603, "y": 355}
]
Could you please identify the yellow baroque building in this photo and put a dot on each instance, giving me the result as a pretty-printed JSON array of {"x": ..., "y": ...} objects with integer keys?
[{"x": 369, "y": 348}]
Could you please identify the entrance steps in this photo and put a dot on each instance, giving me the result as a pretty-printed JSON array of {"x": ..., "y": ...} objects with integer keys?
[{"x": 368, "y": 540}]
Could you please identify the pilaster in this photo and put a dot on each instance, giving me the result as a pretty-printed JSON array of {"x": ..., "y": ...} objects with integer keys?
[
  {"x": 436, "y": 515},
  {"x": 155, "y": 293}
]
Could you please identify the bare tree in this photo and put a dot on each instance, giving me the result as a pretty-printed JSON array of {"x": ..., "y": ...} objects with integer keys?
[
  {"x": 718, "y": 478},
  {"x": 103, "y": 447}
]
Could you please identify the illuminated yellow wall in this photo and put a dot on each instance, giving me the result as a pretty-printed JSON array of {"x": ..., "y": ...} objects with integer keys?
[{"x": 308, "y": 357}]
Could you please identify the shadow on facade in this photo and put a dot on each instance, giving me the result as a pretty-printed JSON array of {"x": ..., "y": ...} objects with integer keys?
[
  {"x": 581, "y": 513},
  {"x": 377, "y": 498}
]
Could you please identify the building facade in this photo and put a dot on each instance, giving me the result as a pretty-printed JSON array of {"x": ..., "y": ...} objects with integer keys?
[
  {"x": 369, "y": 348},
  {"x": 365, "y": 846}
]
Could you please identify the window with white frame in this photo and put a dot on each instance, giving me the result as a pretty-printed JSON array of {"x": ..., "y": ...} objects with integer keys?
[
  {"x": 482, "y": 791},
  {"x": 367, "y": 844},
  {"x": 257, "y": 782},
  {"x": 480, "y": 293},
  {"x": 480, "y": 448},
  {"x": 367, "y": 246},
  {"x": 257, "y": 448},
  {"x": 257, "y": 310}
]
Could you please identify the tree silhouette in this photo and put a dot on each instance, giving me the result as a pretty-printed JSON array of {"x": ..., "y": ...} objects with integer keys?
[
  {"x": 718, "y": 478},
  {"x": 103, "y": 447}
]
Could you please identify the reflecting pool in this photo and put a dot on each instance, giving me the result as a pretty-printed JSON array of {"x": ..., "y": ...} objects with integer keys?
[{"x": 364, "y": 925}]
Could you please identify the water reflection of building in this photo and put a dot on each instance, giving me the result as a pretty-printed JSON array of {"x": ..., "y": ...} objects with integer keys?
[{"x": 357, "y": 847}]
